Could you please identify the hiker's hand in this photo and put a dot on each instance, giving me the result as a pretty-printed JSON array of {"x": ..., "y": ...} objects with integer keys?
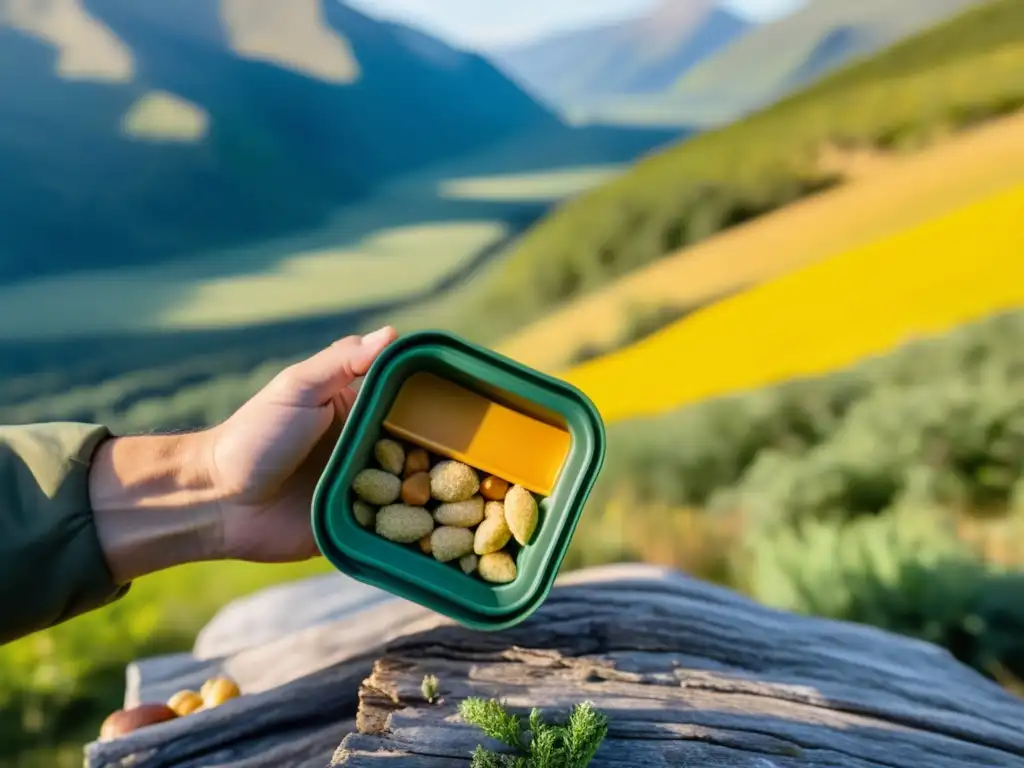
[
  {"x": 240, "y": 490},
  {"x": 267, "y": 457}
]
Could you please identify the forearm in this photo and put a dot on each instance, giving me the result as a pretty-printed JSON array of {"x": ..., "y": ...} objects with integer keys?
[{"x": 153, "y": 504}]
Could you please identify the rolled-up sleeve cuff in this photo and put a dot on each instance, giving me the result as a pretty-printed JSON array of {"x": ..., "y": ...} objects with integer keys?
[{"x": 51, "y": 565}]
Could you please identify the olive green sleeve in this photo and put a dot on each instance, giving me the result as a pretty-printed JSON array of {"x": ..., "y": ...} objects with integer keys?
[{"x": 51, "y": 564}]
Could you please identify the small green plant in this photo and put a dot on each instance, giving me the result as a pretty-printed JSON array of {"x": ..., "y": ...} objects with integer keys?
[
  {"x": 429, "y": 688},
  {"x": 572, "y": 745}
]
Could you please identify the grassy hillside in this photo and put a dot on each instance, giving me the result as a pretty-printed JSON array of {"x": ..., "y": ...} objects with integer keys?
[
  {"x": 926, "y": 280},
  {"x": 883, "y": 193},
  {"x": 777, "y": 58},
  {"x": 148, "y": 129},
  {"x": 959, "y": 74},
  {"x": 643, "y": 55}
]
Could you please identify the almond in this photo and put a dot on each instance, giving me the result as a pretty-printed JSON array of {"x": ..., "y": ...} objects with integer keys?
[
  {"x": 390, "y": 455},
  {"x": 452, "y": 481},
  {"x": 497, "y": 567},
  {"x": 492, "y": 534},
  {"x": 404, "y": 524},
  {"x": 450, "y": 543},
  {"x": 462, "y": 514},
  {"x": 377, "y": 487},
  {"x": 364, "y": 513},
  {"x": 521, "y": 513}
]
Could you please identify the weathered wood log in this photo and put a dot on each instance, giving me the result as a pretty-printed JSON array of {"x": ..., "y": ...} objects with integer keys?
[
  {"x": 688, "y": 673},
  {"x": 279, "y": 611}
]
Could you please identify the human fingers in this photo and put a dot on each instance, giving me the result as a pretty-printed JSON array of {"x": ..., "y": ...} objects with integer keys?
[{"x": 320, "y": 379}]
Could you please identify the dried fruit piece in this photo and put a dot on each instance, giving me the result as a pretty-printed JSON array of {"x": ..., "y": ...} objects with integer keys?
[
  {"x": 521, "y": 513},
  {"x": 453, "y": 481},
  {"x": 416, "y": 489},
  {"x": 377, "y": 487},
  {"x": 364, "y": 513},
  {"x": 462, "y": 514},
  {"x": 493, "y": 533},
  {"x": 185, "y": 702},
  {"x": 124, "y": 721},
  {"x": 390, "y": 455},
  {"x": 449, "y": 543},
  {"x": 468, "y": 563},
  {"x": 425, "y": 545},
  {"x": 404, "y": 524},
  {"x": 217, "y": 690},
  {"x": 493, "y": 488},
  {"x": 417, "y": 460},
  {"x": 497, "y": 567}
]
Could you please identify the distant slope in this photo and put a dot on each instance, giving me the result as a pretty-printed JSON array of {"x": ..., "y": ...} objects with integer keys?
[
  {"x": 949, "y": 271},
  {"x": 643, "y": 55},
  {"x": 963, "y": 72},
  {"x": 132, "y": 130},
  {"x": 886, "y": 195},
  {"x": 776, "y": 59}
]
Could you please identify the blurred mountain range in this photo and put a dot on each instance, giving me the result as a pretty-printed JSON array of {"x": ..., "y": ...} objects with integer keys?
[
  {"x": 644, "y": 55},
  {"x": 695, "y": 62}
]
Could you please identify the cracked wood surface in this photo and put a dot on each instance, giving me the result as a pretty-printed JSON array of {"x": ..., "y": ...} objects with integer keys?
[{"x": 688, "y": 673}]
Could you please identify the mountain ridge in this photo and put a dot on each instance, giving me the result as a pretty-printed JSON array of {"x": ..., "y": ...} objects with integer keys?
[
  {"x": 641, "y": 55},
  {"x": 775, "y": 59}
]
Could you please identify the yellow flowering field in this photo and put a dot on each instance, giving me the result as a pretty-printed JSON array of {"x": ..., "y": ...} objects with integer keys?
[{"x": 921, "y": 281}]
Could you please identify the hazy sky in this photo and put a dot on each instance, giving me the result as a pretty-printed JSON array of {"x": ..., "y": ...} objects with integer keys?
[{"x": 479, "y": 23}]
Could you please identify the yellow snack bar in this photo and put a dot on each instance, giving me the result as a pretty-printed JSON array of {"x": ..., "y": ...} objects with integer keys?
[{"x": 461, "y": 424}]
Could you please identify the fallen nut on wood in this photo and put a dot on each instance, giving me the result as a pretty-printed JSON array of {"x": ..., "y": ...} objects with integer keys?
[
  {"x": 217, "y": 690},
  {"x": 124, "y": 721},
  {"x": 185, "y": 702}
]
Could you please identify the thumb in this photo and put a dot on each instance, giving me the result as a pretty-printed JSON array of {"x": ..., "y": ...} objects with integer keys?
[{"x": 313, "y": 382}]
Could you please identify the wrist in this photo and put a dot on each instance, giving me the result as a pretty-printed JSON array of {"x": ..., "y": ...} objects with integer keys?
[{"x": 154, "y": 503}]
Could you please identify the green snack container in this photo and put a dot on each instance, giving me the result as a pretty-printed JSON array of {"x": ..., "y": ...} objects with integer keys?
[{"x": 404, "y": 570}]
